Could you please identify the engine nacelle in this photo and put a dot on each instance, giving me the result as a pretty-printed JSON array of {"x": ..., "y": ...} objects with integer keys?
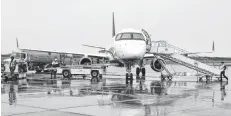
[
  {"x": 85, "y": 61},
  {"x": 156, "y": 65}
]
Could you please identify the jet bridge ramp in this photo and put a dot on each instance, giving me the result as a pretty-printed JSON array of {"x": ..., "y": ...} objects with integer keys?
[{"x": 192, "y": 64}]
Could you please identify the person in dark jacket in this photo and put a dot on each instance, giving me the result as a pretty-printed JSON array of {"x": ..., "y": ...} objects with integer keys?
[
  {"x": 55, "y": 64},
  {"x": 223, "y": 68},
  {"x": 12, "y": 66}
]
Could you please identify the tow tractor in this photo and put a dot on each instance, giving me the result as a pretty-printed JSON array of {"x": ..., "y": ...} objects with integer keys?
[{"x": 95, "y": 70}]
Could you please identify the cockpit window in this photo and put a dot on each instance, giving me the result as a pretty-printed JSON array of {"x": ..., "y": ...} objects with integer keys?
[
  {"x": 126, "y": 36},
  {"x": 130, "y": 36},
  {"x": 137, "y": 36},
  {"x": 118, "y": 36}
]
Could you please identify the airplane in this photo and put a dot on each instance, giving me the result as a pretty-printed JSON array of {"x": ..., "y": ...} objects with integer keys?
[{"x": 130, "y": 47}]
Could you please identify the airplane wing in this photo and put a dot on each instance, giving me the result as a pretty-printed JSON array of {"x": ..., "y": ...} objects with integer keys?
[
  {"x": 93, "y": 46},
  {"x": 75, "y": 54}
]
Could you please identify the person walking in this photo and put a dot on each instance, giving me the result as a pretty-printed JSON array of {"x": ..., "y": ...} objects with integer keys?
[{"x": 223, "y": 68}]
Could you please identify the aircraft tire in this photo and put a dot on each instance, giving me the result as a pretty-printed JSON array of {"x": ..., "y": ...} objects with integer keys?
[
  {"x": 66, "y": 74},
  {"x": 131, "y": 78},
  {"x": 94, "y": 73},
  {"x": 143, "y": 71},
  {"x": 126, "y": 79},
  {"x": 94, "y": 79},
  {"x": 137, "y": 71}
]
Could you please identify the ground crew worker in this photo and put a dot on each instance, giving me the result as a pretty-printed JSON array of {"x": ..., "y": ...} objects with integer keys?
[
  {"x": 12, "y": 66},
  {"x": 55, "y": 64},
  {"x": 223, "y": 68}
]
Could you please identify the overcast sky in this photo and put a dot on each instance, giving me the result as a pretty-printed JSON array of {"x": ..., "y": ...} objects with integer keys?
[{"x": 64, "y": 25}]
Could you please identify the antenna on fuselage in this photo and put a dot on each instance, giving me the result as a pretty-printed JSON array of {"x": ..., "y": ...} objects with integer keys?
[{"x": 113, "y": 25}]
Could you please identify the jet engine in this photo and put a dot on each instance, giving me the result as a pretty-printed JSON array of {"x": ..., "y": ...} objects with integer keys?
[
  {"x": 156, "y": 65},
  {"x": 85, "y": 61}
]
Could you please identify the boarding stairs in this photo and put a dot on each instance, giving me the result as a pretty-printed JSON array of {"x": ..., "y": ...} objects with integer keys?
[
  {"x": 193, "y": 64},
  {"x": 174, "y": 54}
]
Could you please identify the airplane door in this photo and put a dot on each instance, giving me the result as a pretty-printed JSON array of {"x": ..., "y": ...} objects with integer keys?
[{"x": 148, "y": 41}]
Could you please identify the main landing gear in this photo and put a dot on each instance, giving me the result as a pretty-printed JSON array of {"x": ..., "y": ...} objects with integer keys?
[{"x": 142, "y": 70}]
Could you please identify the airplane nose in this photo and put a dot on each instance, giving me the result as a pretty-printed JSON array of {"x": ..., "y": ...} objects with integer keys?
[{"x": 131, "y": 50}]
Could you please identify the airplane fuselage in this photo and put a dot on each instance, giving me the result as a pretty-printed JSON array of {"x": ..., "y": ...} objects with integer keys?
[{"x": 128, "y": 46}]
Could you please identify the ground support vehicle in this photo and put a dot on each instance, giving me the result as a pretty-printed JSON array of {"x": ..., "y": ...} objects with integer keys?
[
  {"x": 69, "y": 71},
  {"x": 20, "y": 71}
]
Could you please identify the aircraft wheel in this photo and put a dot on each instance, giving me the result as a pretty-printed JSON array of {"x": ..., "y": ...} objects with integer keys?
[
  {"x": 137, "y": 71},
  {"x": 143, "y": 71},
  {"x": 94, "y": 79},
  {"x": 94, "y": 73},
  {"x": 131, "y": 77},
  {"x": 66, "y": 74},
  {"x": 126, "y": 79}
]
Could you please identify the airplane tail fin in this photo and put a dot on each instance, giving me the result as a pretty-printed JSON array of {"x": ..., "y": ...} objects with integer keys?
[
  {"x": 113, "y": 25},
  {"x": 17, "y": 42},
  {"x": 213, "y": 47}
]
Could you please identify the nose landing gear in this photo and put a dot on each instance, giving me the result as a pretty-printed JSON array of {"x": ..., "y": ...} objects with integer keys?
[{"x": 129, "y": 75}]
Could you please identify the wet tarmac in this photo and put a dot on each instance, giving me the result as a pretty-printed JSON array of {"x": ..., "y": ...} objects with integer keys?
[{"x": 183, "y": 96}]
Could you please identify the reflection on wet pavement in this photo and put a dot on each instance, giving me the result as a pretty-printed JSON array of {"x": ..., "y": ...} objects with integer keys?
[{"x": 112, "y": 97}]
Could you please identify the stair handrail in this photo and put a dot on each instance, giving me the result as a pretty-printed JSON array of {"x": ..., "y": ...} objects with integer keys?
[{"x": 182, "y": 51}]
